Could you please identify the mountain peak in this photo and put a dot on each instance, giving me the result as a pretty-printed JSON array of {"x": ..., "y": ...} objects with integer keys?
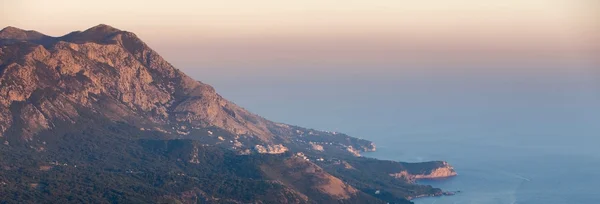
[
  {"x": 11, "y": 29},
  {"x": 14, "y": 33},
  {"x": 102, "y": 28},
  {"x": 99, "y": 34}
]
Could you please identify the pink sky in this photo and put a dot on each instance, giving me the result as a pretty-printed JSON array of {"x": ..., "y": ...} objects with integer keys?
[{"x": 296, "y": 36}]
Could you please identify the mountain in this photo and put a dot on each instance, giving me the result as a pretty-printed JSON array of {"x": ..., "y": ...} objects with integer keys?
[{"x": 100, "y": 114}]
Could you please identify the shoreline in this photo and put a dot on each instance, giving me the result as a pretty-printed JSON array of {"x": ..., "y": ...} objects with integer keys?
[
  {"x": 443, "y": 193},
  {"x": 449, "y": 173}
]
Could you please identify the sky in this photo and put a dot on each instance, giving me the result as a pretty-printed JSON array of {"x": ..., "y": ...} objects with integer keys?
[{"x": 331, "y": 37}]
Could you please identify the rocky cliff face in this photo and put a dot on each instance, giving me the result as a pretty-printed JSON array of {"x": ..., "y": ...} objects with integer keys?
[
  {"x": 45, "y": 81},
  {"x": 105, "y": 67},
  {"x": 444, "y": 170}
]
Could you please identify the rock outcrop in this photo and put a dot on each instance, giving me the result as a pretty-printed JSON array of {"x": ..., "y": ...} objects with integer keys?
[
  {"x": 271, "y": 149},
  {"x": 445, "y": 170}
]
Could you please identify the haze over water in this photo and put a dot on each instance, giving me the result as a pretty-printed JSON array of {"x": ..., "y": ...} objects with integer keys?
[{"x": 511, "y": 138}]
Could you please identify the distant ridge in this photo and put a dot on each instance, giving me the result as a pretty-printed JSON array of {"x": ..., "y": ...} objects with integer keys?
[{"x": 12, "y": 34}]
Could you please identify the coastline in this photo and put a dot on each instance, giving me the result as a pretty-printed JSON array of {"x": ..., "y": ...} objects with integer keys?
[
  {"x": 442, "y": 172},
  {"x": 442, "y": 193}
]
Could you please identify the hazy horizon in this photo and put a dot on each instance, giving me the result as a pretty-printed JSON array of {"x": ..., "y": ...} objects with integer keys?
[{"x": 278, "y": 39}]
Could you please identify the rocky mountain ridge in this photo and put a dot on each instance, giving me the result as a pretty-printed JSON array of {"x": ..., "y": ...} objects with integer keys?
[
  {"x": 53, "y": 87},
  {"x": 103, "y": 68}
]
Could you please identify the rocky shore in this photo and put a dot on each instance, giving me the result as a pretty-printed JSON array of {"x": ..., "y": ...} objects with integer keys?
[{"x": 445, "y": 170}]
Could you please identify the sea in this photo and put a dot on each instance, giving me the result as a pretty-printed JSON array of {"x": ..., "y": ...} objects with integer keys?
[{"x": 531, "y": 138}]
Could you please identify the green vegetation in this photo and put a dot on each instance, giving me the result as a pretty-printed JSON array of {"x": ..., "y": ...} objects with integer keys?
[{"x": 105, "y": 162}]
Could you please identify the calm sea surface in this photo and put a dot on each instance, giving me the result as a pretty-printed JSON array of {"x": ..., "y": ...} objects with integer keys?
[{"x": 512, "y": 139}]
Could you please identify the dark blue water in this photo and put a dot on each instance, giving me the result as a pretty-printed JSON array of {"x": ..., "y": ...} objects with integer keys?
[{"x": 512, "y": 138}]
